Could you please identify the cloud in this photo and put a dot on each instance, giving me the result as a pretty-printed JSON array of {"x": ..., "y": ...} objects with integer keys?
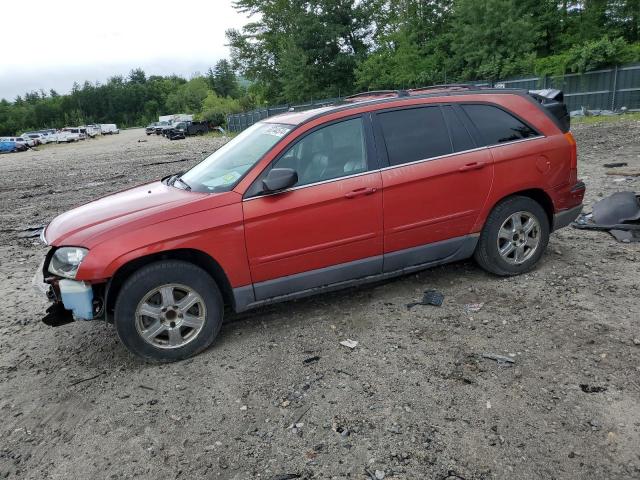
[{"x": 76, "y": 41}]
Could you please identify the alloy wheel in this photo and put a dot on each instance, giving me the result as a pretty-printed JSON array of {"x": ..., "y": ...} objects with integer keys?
[
  {"x": 170, "y": 316},
  {"x": 519, "y": 237}
]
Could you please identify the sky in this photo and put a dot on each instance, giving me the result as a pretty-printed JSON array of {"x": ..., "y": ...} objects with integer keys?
[{"x": 52, "y": 44}]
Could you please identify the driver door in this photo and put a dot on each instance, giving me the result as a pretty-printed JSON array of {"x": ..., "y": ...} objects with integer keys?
[{"x": 325, "y": 229}]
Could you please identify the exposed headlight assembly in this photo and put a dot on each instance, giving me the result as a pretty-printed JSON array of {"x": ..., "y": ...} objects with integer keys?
[{"x": 66, "y": 261}]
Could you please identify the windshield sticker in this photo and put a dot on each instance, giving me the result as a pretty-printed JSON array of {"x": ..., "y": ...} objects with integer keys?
[
  {"x": 225, "y": 179},
  {"x": 277, "y": 130}
]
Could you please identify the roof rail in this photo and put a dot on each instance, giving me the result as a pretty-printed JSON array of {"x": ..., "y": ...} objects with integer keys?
[
  {"x": 445, "y": 86},
  {"x": 378, "y": 93}
]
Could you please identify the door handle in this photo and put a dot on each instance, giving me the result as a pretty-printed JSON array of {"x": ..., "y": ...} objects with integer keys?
[
  {"x": 360, "y": 191},
  {"x": 472, "y": 166}
]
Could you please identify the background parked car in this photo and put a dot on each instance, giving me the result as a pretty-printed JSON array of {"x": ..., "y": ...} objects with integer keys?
[
  {"x": 7, "y": 146},
  {"x": 67, "y": 136},
  {"x": 17, "y": 146},
  {"x": 77, "y": 131},
  {"x": 30, "y": 142},
  {"x": 160, "y": 126},
  {"x": 38, "y": 138},
  {"x": 109, "y": 128},
  {"x": 50, "y": 137},
  {"x": 97, "y": 130},
  {"x": 184, "y": 128},
  {"x": 21, "y": 141}
]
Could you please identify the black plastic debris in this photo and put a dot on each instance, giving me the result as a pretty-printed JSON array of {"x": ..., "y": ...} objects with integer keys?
[
  {"x": 615, "y": 164},
  {"x": 57, "y": 315},
  {"x": 285, "y": 476},
  {"x": 430, "y": 297},
  {"x": 586, "y": 388},
  {"x": 309, "y": 360},
  {"x": 618, "y": 214}
]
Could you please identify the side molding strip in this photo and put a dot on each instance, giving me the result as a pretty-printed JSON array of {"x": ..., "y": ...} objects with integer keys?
[{"x": 368, "y": 270}]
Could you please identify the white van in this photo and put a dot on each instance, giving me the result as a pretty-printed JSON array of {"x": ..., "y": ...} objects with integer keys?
[{"x": 109, "y": 128}]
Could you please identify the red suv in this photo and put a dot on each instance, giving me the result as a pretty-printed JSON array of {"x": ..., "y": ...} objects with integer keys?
[{"x": 380, "y": 185}]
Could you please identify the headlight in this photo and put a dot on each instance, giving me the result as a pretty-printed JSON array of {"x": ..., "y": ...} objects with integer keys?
[{"x": 66, "y": 261}]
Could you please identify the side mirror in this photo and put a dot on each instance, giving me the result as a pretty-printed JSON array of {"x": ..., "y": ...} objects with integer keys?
[{"x": 279, "y": 179}]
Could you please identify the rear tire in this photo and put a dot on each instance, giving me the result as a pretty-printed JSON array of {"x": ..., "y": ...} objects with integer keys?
[
  {"x": 514, "y": 237},
  {"x": 168, "y": 310}
]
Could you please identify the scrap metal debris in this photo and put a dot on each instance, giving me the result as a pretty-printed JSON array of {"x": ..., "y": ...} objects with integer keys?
[
  {"x": 625, "y": 173},
  {"x": 430, "y": 297},
  {"x": 349, "y": 343},
  {"x": 31, "y": 231},
  {"x": 585, "y": 112},
  {"x": 473, "y": 307},
  {"x": 618, "y": 214},
  {"x": 501, "y": 359},
  {"x": 86, "y": 379},
  {"x": 452, "y": 475},
  {"x": 163, "y": 163}
]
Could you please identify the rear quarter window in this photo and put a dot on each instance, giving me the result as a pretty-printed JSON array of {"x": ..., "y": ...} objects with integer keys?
[{"x": 497, "y": 126}]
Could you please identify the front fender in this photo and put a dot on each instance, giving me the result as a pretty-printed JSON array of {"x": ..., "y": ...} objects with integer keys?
[{"x": 218, "y": 232}]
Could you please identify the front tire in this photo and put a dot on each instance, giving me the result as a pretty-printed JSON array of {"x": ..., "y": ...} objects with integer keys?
[
  {"x": 514, "y": 237},
  {"x": 168, "y": 310}
]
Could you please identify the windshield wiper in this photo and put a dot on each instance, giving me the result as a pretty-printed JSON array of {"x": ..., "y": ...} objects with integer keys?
[{"x": 186, "y": 185}]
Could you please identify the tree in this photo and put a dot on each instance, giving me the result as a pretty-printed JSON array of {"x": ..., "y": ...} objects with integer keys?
[
  {"x": 138, "y": 76},
  {"x": 485, "y": 44},
  {"x": 222, "y": 79},
  {"x": 301, "y": 49},
  {"x": 409, "y": 50},
  {"x": 188, "y": 98},
  {"x": 215, "y": 109}
]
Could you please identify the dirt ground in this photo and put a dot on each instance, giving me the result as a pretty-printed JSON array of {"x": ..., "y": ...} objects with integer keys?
[{"x": 278, "y": 397}]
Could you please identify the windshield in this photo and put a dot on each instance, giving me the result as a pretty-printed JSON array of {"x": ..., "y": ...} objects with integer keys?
[{"x": 220, "y": 171}]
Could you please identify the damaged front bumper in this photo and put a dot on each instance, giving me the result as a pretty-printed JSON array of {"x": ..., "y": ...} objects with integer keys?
[{"x": 71, "y": 300}]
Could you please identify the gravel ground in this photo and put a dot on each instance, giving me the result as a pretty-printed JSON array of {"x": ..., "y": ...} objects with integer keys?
[{"x": 278, "y": 395}]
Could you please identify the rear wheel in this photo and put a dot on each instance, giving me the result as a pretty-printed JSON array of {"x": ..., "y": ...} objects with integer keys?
[
  {"x": 168, "y": 311},
  {"x": 514, "y": 237}
]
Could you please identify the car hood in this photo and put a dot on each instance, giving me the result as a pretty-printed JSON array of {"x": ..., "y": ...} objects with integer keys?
[{"x": 90, "y": 224}]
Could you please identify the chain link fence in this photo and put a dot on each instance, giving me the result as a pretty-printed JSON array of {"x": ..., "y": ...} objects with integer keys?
[{"x": 607, "y": 89}]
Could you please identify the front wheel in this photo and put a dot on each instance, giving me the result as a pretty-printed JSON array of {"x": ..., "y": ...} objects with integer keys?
[
  {"x": 168, "y": 311},
  {"x": 514, "y": 237}
]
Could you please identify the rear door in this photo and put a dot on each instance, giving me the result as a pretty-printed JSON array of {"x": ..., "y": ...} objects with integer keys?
[
  {"x": 521, "y": 161},
  {"x": 328, "y": 227},
  {"x": 435, "y": 183}
]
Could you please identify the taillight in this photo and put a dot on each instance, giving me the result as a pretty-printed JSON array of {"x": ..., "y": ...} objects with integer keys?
[
  {"x": 574, "y": 149},
  {"x": 573, "y": 162}
]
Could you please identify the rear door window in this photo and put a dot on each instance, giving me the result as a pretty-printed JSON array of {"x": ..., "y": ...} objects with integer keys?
[
  {"x": 414, "y": 134},
  {"x": 497, "y": 126}
]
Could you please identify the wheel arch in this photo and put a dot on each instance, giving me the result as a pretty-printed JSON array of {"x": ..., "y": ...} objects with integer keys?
[
  {"x": 536, "y": 194},
  {"x": 196, "y": 257}
]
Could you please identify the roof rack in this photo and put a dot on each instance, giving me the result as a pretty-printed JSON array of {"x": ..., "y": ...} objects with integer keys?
[
  {"x": 445, "y": 86},
  {"x": 378, "y": 93},
  {"x": 411, "y": 91}
]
